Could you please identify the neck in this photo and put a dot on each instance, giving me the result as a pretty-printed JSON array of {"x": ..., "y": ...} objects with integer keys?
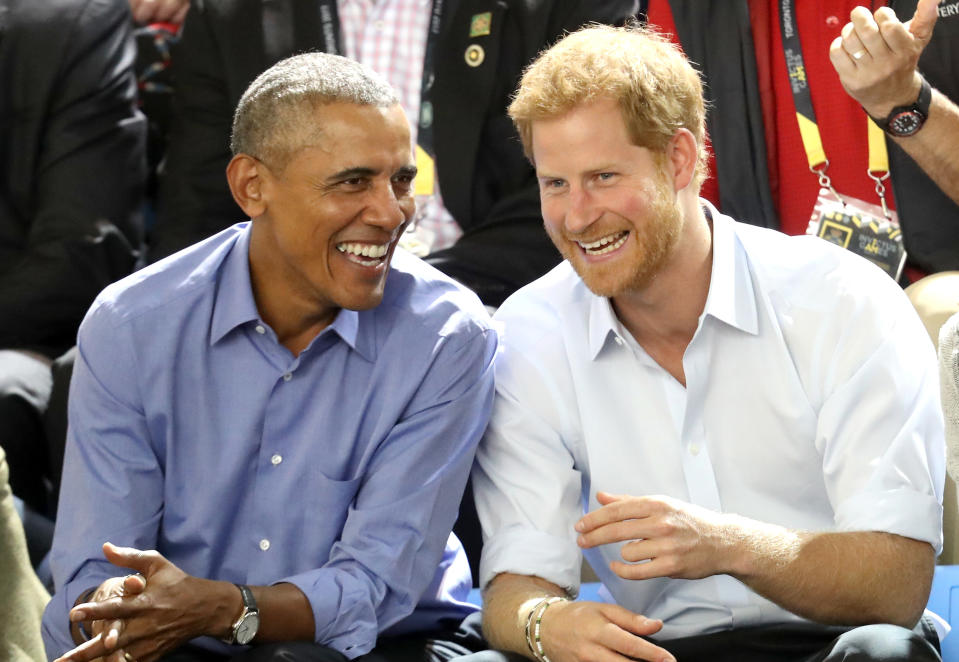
[
  {"x": 290, "y": 310},
  {"x": 665, "y": 313}
]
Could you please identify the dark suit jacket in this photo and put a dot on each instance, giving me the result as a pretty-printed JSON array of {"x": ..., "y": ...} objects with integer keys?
[
  {"x": 487, "y": 184},
  {"x": 72, "y": 164}
]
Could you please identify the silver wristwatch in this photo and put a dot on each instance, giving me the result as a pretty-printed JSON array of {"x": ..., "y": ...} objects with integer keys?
[{"x": 245, "y": 627}]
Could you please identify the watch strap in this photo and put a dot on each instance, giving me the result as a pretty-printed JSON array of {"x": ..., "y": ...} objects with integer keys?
[
  {"x": 920, "y": 105},
  {"x": 249, "y": 607}
]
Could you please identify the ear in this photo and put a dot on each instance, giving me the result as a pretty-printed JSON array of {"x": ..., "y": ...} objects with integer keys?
[
  {"x": 683, "y": 153},
  {"x": 247, "y": 178}
]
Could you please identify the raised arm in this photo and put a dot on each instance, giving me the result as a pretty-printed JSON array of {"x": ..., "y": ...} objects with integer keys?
[{"x": 876, "y": 59}]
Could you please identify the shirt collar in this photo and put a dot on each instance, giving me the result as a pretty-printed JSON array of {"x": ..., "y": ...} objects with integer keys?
[
  {"x": 235, "y": 306},
  {"x": 731, "y": 297}
]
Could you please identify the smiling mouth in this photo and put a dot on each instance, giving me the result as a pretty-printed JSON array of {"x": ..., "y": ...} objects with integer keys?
[
  {"x": 367, "y": 255},
  {"x": 604, "y": 245}
]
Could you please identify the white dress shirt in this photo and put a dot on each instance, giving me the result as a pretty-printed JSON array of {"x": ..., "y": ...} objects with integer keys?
[{"x": 811, "y": 402}]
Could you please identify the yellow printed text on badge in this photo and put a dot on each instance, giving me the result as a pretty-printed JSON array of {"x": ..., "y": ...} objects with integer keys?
[{"x": 480, "y": 24}]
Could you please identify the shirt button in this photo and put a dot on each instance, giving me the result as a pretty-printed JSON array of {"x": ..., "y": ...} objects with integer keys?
[
  {"x": 260, "y": 329},
  {"x": 694, "y": 449},
  {"x": 276, "y": 459},
  {"x": 620, "y": 341},
  {"x": 287, "y": 377},
  {"x": 264, "y": 544}
]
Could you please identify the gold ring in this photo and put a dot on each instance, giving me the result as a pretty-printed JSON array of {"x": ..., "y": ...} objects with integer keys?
[
  {"x": 128, "y": 657},
  {"x": 858, "y": 55}
]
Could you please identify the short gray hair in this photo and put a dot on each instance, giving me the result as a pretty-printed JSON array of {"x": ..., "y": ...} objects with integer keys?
[{"x": 270, "y": 123}]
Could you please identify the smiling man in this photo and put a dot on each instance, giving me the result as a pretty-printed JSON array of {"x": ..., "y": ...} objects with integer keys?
[
  {"x": 740, "y": 430},
  {"x": 284, "y": 414}
]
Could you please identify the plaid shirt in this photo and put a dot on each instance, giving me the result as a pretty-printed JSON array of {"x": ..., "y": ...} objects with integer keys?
[{"x": 389, "y": 36}]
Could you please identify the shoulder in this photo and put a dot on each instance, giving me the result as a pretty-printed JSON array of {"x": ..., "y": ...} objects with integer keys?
[
  {"x": 164, "y": 288},
  {"x": 420, "y": 295},
  {"x": 543, "y": 323},
  {"x": 549, "y": 300},
  {"x": 806, "y": 270}
]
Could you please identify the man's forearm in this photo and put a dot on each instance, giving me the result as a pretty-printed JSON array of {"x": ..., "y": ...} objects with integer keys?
[
  {"x": 507, "y": 602},
  {"x": 285, "y": 613},
  {"x": 847, "y": 578}
]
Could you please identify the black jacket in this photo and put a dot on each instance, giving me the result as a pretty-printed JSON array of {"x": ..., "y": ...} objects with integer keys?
[{"x": 72, "y": 164}]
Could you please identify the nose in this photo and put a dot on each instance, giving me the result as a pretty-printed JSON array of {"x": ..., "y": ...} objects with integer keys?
[
  {"x": 581, "y": 211},
  {"x": 386, "y": 210}
]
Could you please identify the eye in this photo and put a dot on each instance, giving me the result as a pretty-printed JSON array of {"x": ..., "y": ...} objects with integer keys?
[
  {"x": 403, "y": 183},
  {"x": 606, "y": 176},
  {"x": 552, "y": 184},
  {"x": 354, "y": 184}
]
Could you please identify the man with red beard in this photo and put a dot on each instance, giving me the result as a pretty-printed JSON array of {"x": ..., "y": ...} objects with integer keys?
[{"x": 739, "y": 430}]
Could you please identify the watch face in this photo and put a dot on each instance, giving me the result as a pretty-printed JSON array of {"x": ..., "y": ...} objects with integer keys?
[
  {"x": 247, "y": 628},
  {"x": 906, "y": 123}
]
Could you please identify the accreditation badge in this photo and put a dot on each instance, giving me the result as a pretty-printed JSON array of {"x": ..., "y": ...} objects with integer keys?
[{"x": 860, "y": 227}]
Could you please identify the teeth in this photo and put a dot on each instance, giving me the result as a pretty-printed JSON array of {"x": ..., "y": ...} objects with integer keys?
[
  {"x": 604, "y": 245},
  {"x": 364, "y": 250}
]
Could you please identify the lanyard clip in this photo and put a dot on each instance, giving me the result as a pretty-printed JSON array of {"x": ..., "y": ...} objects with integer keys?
[
  {"x": 824, "y": 182},
  {"x": 881, "y": 189}
]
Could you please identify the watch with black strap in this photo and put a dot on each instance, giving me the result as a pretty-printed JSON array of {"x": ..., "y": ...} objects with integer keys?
[
  {"x": 245, "y": 627},
  {"x": 904, "y": 121}
]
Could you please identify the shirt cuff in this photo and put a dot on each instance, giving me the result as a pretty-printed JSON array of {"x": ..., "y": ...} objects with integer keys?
[
  {"x": 526, "y": 551},
  {"x": 902, "y": 512},
  {"x": 336, "y": 600}
]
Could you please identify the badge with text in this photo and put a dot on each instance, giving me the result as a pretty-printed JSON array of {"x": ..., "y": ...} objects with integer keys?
[{"x": 861, "y": 228}]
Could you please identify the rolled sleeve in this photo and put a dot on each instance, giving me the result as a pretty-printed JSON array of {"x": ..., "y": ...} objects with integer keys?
[
  {"x": 883, "y": 411},
  {"x": 527, "y": 483}
]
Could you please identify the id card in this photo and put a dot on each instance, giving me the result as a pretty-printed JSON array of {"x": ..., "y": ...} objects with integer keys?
[{"x": 861, "y": 228}]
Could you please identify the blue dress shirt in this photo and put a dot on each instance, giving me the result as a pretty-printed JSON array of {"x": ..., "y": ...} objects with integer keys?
[{"x": 194, "y": 432}]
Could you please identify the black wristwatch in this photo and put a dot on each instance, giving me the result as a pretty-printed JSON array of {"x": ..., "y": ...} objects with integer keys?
[
  {"x": 905, "y": 121},
  {"x": 245, "y": 627}
]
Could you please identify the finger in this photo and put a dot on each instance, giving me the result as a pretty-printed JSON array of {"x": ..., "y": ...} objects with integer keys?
[
  {"x": 109, "y": 609},
  {"x": 645, "y": 570},
  {"x": 112, "y": 636},
  {"x": 851, "y": 42},
  {"x": 622, "y": 508},
  {"x": 142, "y": 10},
  {"x": 134, "y": 584},
  {"x": 88, "y": 650},
  {"x": 166, "y": 10},
  {"x": 895, "y": 34},
  {"x": 841, "y": 60},
  {"x": 619, "y": 637},
  {"x": 129, "y": 557},
  {"x": 867, "y": 30},
  {"x": 924, "y": 20},
  {"x": 618, "y": 531},
  {"x": 605, "y": 498},
  {"x": 631, "y": 621},
  {"x": 180, "y": 15}
]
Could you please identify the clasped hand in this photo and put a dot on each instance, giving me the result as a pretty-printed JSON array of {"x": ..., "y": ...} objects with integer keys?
[{"x": 143, "y": 616}]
